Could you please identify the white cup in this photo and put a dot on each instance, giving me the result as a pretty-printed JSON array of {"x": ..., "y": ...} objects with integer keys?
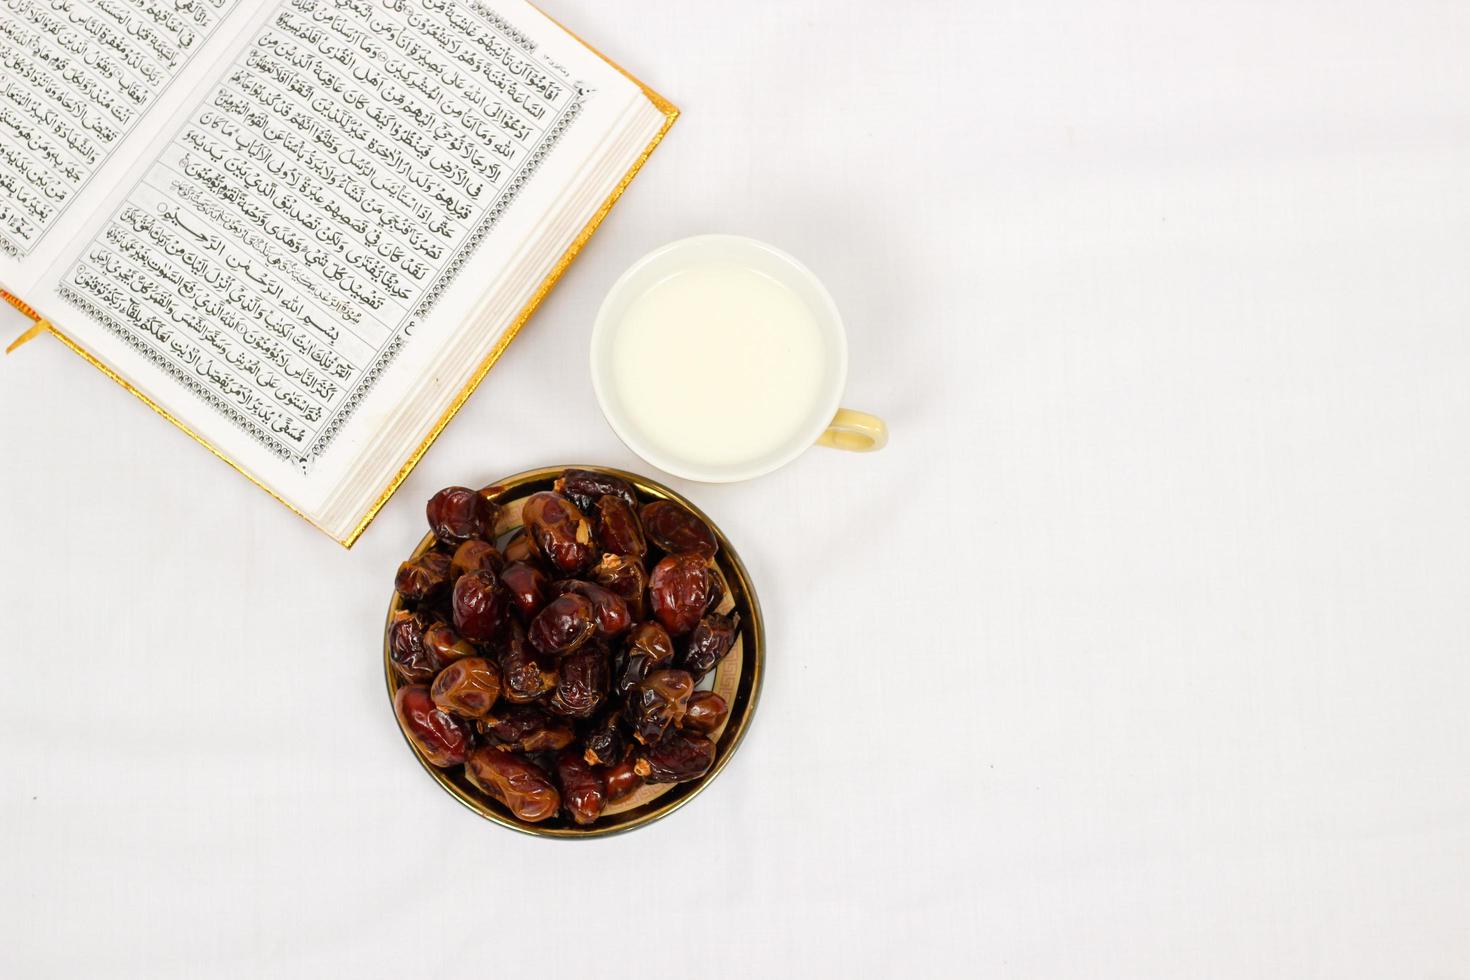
[{"x": 825, "y": 424}]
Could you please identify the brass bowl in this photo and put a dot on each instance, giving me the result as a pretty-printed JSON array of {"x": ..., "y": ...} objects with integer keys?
[{"x": 737, "y": 679}]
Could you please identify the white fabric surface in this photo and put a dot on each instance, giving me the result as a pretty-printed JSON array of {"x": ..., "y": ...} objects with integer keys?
[{"x": 1143, "y": 651}]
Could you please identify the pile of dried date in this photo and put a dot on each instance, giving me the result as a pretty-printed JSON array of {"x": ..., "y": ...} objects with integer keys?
[{"x": 562, "y": 673}]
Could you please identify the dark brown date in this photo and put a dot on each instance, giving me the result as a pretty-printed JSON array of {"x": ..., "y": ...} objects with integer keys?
[
  {"x": 442, "y": 738},
  {"x": 609, "y": 611},
  {"x": 718, "y": 587},
  {"x": 414, "y": 661},
  {"x": 564, "y": 624},
  {"x": 622, "y": 778},
  {"x": 603, "y": 745},
  {"x": 467, "y": 688},
  {"x": 658, "y": 704},
  {"x": 527, "y": 728},
  {"x": 625, "y": 577},
  {"x": 652, "y": 640},
  {"x": 680, "y": 757},
  {"x": 581, "y": 684},
  {"x": 529, "y": 587},
  {"x": 553, "y": 738},
  {"x": 558, "y": 532},
  {"x": 424, "y": 576},
  {"x": 583, "y": 790},
  {"x": 707, "y": 645},
  {"x": 445, "y": 644},
  {"x": 675, "y": 530},
  {"x": 481, "y": 606},
  {"x": 584, "y": 487},
  {"x": 457, "y": 514},
  {"x": 648, "y": 648},
  {"x": 678, "y": 592},
  {"x": 618, "y": 530},
  {"x": 475, "y": 555},
  {"x": 631, "y": 673},
  {"x": 706, "y": 712},
  {"x": 525, "y": 677},
  {"x": 521, "y": 786},
  {"x": 617, "y": 660}
]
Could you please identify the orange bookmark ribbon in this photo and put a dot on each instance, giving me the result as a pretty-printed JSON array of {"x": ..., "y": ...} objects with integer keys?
[{"x": 41, "y": 326}]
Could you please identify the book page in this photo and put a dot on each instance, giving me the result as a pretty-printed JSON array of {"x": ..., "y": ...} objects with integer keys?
[
  {"x": 315, "y": 213},
  {"x": 78, "y": 81}
]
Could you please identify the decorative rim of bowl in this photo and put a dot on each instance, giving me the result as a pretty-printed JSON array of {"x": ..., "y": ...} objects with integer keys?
[{"x": 753, "y": 654}]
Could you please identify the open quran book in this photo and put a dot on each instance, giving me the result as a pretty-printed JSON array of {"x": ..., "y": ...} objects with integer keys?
[{"x": 303, "y": 230}]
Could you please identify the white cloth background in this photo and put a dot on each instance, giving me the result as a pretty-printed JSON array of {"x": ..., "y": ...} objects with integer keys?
[{"x": 1143, "y": 651}]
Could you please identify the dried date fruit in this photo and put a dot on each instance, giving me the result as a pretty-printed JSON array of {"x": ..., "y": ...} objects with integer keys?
[
  {"x": 474, "y": 555},
  {"x": 509, "y": 723},
  {"x": 707, "y": 645},
  {"x": 445, "y": 644},
  {"x": 678, "y": 592},
  {"x": 558, "y": 532},
  {"x": 618, "y": 530},
  {"x": 718, "y": 587},
  {"x": 583, "y": 790},
  {"x": 566, "y": 623},
  {"x": 647, "y": 648},
  {"x": 581, "y": 684},
  {"x": 622, "y": 778},
  {"x": 525, "y": 677},
  {"x": 631, "y": 673},
  {"x": 554, "y": 737},
  {"x": 529, "y": 587},
  {"x": 521, "y": 786},
  {"x": 603, "y": 745},
  {"x": 658, "y": 704},
  {"x": 624, "y": 576},
  {"x": 442, "y": 738},
  {"x": 609, "y": 611},
  {"x": 617, "y": 660},
  {"x": 467, "y": 688},
  {"x": 481, "y": 605},
  {"x": 422, "y": 577},
  {"x": 584, "y": 487},
  {"x": 680, "y": 757},
  {"x": 706, "y": 712},
  {"x": 652, "y": 640},
  {"x": 527, "y": 728},
  {"x": 413, "y": 661},
  {"x": 675, "y": 530},
  {"x": 457, "y": 514}
]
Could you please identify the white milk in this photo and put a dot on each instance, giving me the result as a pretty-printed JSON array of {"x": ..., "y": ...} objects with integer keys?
[{"x": 718, "y": 364}]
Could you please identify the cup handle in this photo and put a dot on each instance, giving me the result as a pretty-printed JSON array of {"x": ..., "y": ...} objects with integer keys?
[{"x": 857, "y": 432}]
